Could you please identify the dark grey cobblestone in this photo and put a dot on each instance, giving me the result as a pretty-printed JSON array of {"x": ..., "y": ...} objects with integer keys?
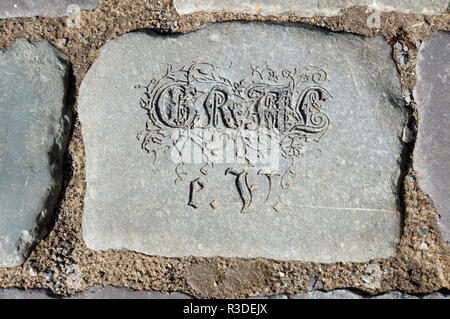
[
  {"x": 46, "y": 8},
  {"x": 107, "y": 292},
  {"x": 110, "y": 292}
]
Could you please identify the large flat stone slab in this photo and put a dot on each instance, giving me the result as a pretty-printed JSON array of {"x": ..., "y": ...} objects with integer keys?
[
  {"x": 432, "y": 149},
  {"x": 232, "y": 141},
  {"x": 45, "y": 8},
  {"x": 107, "y": 292},
  {"x": 33, "y": 128},
  {"x": 354, "y": 294},
  {"x": 110, "y": 292},
  {"x": 309, "y": 8}
]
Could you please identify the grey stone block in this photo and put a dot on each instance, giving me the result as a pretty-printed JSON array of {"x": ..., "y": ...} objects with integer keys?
[
  {"x": 179, "y": 166},
  {"x": 432, "y": 149},
  {"x": 110, "y": 292},
  {"x": 351, "y": 294},
  {"x": 18, "y": 293},
  {"x": 335, "y": 294},
  {"x": 33, "y": 130},
  {"x": 107, "y": 292},
  {"x": 46, "y": 8},
  {"x": 309, "y": 8}
]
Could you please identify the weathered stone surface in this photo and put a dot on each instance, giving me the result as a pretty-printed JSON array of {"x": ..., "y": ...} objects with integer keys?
[
  {"x": 46, "y": 8},
  {"x": 110, "y": 292},
  {"x": 350, "y": 294},
  {"x": 33, "y": 127},
  {"x": 341, "y": 129},
  {"x": 335, "y": 294},
  {"x": 432, "y": 149},
  {"x": 309, "y": 8},
  {"x": 107, "y": 292}
]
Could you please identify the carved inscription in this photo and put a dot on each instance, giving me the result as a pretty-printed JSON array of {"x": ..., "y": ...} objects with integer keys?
[
  {"x": 270, "y": 111},
  {"x": 196, "y": 186}
]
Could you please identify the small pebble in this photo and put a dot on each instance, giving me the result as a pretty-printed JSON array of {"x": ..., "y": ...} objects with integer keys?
[
  {"x": 366, "y": 278},
  {"x": 407, "y": 96},
  {"x": 318, "y": 285},
  {"x": 407, "y": 99},
  {"x": 33, "y": 272},
  {"x": 403, "y": 59},
  {"x": 410, "y": 178},
  {"x": 311, "y": 283},
  {"x": 61, "y": 42},
  {"x": 407, "y": 136},
  {"x": 423, "y": 246}
]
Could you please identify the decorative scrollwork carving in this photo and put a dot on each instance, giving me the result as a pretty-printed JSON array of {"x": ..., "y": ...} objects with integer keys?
[{"x": 288, "y": 103}]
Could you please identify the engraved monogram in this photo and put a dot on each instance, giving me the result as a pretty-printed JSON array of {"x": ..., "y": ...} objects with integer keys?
[{"x": 197, "y": 106}]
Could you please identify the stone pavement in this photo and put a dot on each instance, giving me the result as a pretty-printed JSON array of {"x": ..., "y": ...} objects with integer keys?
[
  {"x": 110, "y": 292},
  {"x": 46, "y": 8},
  {"x": 194, "y": 200},
  {"x": 107, "y": 292},
  {"x": 308, "y": 8},
  {"x": 432, "y": 151},
  {"x": 234, "y": 158},
  {"x": 33, "y": 129}
]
